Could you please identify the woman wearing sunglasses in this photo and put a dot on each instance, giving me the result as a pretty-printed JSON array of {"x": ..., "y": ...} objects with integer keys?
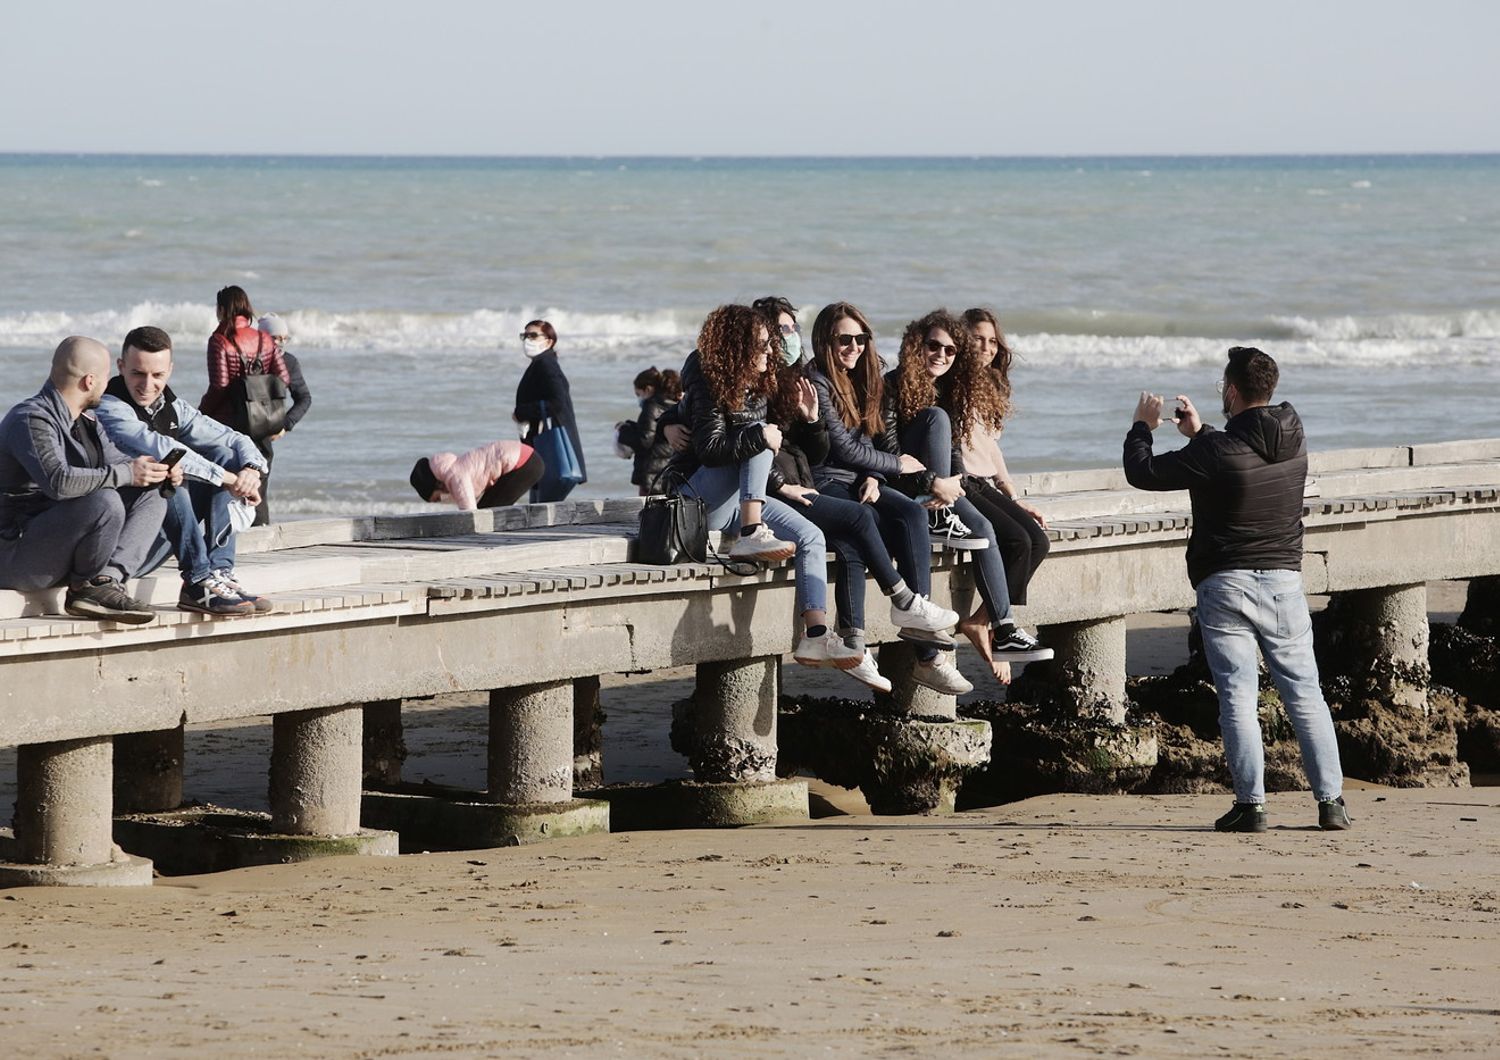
[
  {"x": 726, "y": 384},
  {"x": 1020, "y": 530},
  {"x": 937, "y": 395},
  {"x": 846, "y": 378},
  {"x": 543, "y": 394},
  {"x": 850, "y": 528}
]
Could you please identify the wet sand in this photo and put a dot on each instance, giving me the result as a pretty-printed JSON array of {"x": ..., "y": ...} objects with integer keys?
[{"x": 1061, "y": 926}]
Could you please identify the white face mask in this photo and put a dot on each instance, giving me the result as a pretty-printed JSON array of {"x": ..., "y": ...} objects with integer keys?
[{"x": 534, "y": 347}]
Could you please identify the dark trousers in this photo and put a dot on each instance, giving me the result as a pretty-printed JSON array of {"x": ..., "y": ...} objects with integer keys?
[
  {"x": 851, "y": 532},
  {"x": 1022, "y": 542},
  {"x": 509, "y": 487},
  {"x": 263, "y": 509},
  {"x": 108, "y": 532}
]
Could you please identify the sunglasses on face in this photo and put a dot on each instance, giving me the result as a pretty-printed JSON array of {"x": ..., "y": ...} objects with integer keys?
[
  {"x": 532, "y": 335},
  {"x": 791, "y": 329},
  {"x": 845, "y": 341},
  {"x": 934, "y": 346}
]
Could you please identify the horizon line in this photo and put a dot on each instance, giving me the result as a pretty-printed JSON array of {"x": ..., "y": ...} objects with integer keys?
[{"x": 703, "y": 156}]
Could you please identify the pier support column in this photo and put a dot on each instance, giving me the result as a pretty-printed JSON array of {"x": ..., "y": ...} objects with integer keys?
[
  {"x": 63, "y": 819},
  {"x": 148, "y": 771},
  {"x": 1088, "y": 672},
  {"x": 588, "y": 734},
  {"x": 531, "y": 744},
  {"x": 384, "y": 743},
  {"x": 896, "y": 659},
  {"x": 316, "y": 766}
]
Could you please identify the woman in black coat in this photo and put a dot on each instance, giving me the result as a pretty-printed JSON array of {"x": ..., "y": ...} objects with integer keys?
[
  {"x": 657, "y": 391},
  {"x": 543, "y": 394}
]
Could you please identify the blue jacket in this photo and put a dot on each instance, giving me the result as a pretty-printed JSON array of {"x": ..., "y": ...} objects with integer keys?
[
  {"x": 41, "y": 462},
  {"x": 212, "y": 448}
]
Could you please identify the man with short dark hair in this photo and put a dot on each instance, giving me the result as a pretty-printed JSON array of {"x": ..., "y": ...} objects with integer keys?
[
  {"x": 142, "y": 415},
  {"x": 74, "y": 510},
  {"x": 1245, "y": 561}
]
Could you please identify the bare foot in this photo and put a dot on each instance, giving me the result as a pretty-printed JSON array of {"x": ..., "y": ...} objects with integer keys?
[
  {"x": 1001, "y": 670},
  {"x": 977, "y": 628}
]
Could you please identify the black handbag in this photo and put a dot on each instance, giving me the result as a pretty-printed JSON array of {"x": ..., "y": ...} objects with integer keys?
[
  {"x": 672, "y": 530},
  {"x": 259, "y": 398}
]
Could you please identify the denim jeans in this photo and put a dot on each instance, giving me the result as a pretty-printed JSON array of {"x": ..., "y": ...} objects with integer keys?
[
  {"x": 1238, "y": 610},
  {"x": 197, "y": 531},
  {"x": 723, "y": 488},
  {"x": 850, "y": 530}
]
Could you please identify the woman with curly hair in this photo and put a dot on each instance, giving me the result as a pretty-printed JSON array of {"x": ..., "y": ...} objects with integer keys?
[
  {"x": 851, "y": 528},
  {"x": 1019, "y": 528},
  {"x": 939, "y": 393},
  {"x": 726, "y": 385},
  {"x": 847, "y": 381}
]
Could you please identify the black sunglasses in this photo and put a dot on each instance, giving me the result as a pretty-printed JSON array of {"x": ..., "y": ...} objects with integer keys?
[
  {"x": 532, "y": 335},
  {"x": 845, "y": 341},
  {"x": 934, "y": 346}
]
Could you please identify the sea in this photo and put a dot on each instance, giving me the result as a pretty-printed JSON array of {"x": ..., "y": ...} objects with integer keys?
[{"x": 1374, "y": 281}]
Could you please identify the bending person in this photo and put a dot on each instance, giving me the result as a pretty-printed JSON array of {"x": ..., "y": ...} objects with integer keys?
[{"x": 491, "y": 476}]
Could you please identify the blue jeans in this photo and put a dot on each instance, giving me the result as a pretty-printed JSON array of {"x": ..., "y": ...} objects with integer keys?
[
  {"x": 197, "y": 531},
  {"x": 723, "y": 488},
  {"x": 1238, "y": 610}
]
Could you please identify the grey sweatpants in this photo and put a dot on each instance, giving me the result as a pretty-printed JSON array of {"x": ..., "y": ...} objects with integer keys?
[{"x": 105, "y": 532}]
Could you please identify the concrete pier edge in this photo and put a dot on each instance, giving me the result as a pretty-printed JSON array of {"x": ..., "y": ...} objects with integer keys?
[
  {"x": 703, "y": 804},
  {"x": 430, "y": 817}
]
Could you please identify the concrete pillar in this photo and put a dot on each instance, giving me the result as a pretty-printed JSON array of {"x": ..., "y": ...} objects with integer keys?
[
  {"x": 588, "y": 734},
  {"x": 64, "y": 802},
  {"x": 896, "y": 659},
  {"x": 1376, "y": 645},
  {"x": 148, "y": 771},
  {"x": 531, "y": 744},
  {"x": 1088, "y": 673},
  {"x": 316, "y": 759},
  {"x": 735, "y": 721},
  {"x": 384, "y": 743}
]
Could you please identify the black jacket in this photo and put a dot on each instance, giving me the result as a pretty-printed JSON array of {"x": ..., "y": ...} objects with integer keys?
[
  {"x": 804, "y": 447},
  {"x": 852, "y": 454},
  {"x": 890, "y": 439},
  {"x": 720, "y": 436},
  {"x": 644, "y": 437},
  {"x": 301, "y": 396},
  {"x": 542, "y": 381},
  {"x": 1246, "y": 483}
]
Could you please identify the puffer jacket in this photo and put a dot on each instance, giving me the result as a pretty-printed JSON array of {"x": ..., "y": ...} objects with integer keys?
[
  {"x": 852, "y": 453},
  {"x": 1246, "y": 483},
  {"x": 466, "y": 477},
  {"x": 228, "y": 359},
  {"x": 644, "y": 437}
]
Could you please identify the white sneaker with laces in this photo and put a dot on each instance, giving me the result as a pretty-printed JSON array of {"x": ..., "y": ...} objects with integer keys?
[
  {"x": 941, "y": 676},
  {"x": 866, "y": 673},
  {"x": 827, "y": 650},
  {"x": 923, "y": 614},
  {"x": 762, "y": 546}
]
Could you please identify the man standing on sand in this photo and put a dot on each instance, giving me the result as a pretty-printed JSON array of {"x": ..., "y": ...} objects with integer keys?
[
  {"x": 142, "y": 415},
  {"x": 1245, "y": 561},
  {"x": 74, "y": 510}
]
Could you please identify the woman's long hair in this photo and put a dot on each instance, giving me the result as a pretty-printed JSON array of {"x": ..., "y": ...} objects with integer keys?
[
  {"x": 232, "y": 302},
  {"x": 999, "y": 364},
  {"x": 731, "y": 337},
  {"x": 968, "y": 393},
  {"x": 857, "y": 394},
  {"x": 665, "y": 382}
]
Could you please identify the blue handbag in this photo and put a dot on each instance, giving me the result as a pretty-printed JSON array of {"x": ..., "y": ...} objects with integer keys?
[{"x": 558, "y": 455}]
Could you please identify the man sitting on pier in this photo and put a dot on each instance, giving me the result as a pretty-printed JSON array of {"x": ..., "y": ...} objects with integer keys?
[
  {"x": 74, "y": 510},
  {"x": 1245, "y": 561},
  {"x": 142, "y": 415}
]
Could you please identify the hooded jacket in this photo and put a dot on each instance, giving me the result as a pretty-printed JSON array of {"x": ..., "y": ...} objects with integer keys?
[{"x": 1246, "y": 483}]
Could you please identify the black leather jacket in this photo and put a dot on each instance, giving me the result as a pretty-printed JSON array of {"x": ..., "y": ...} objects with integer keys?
[
  {"x": 720, "y": 436},
  {"x": 890, "y": 440}
]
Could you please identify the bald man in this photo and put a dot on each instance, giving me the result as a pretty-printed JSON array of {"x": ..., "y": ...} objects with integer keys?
[{"x": 74, "y": 510}]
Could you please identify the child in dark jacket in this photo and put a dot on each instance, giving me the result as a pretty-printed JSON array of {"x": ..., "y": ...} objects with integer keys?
[{"x": 657, "y": 392}]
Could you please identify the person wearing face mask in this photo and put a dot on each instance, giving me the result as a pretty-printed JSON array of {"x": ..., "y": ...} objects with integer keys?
[
  {"x": 657, "y": 391},
  {"x": 543, "y": 394}
]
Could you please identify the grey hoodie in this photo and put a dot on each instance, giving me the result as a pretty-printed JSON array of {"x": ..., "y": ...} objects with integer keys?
[{"x": 41, "y": 463}]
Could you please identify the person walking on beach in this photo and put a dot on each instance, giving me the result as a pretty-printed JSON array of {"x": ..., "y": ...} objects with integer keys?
[
  {"x": 281, "y": 334},
  {"x": 543, "y": 395},
  {"x": 238, "y": 350},
  {"x": 491, "y": 476},
  {"x": 1244, "y": 559},
  {"x": 222, "y": 467},
  {"x": 74, "y": 510}
]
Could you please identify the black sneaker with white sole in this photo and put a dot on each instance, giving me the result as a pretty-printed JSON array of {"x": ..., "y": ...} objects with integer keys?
[
  {"x": 212, "y": 597},
  {"x": 1017, "y": 646},
  {"x": 950, "y": 531},
  {"x": 105, "y": 598},
  {"x": 1333, "y": 815},
  {"x": 1243, "y": 817}
]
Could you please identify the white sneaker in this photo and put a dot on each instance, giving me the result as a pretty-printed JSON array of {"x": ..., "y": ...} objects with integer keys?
[
  {"x": 827, "y": 650},
  {"x": 762, "y": 546},
  {"x": 923, "y": 614},
  {"x": 941, "y": 676},
  {"x": 867, "y": 674}
]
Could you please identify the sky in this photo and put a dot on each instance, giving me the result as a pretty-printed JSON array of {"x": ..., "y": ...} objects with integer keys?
[{"x": 819, "y": 77}]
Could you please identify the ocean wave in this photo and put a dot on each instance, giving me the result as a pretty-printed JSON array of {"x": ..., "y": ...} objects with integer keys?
[{"x": 1083, "y": 352}]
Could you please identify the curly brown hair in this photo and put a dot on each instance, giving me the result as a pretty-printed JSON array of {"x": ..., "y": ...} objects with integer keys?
[
  {"x": 1000, "y": 363},
  {"x": 968, "y": 393},
  {"x": 856, "y": 395},
  {"x": 731, "y": 337}
]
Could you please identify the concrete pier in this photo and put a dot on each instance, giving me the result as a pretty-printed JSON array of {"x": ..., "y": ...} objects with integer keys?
[
  {"x": 384, "y": 743},
  {"x": 148, "y": 771},
  {"x": 63, "y": 819},
  {"x": 316, "y": 765},
  {"x": 531, "y": 744},
  {"x": 1087, "y": 674},
  {"x": 588, "y": 734},
  {"x": 895, "y": 660}
]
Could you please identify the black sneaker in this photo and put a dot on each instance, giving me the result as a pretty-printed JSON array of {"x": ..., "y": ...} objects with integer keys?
[
  {"x": 1243, "y": 817},
  {"x": 105, "y": 598},
  {"x": 1017, "y": 646},
  {"x": 950, "y": 531},
  {"x": 212, "y": 597},
  {"x": 1333, "y": 816}
]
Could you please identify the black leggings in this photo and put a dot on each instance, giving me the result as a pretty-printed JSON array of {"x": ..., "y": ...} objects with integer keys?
[
  {"x": 508, "y": 488},
  {"x": 1022, "y": 542}
]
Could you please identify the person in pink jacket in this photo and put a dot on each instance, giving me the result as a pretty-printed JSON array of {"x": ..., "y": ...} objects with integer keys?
[{"x": 491, "y": 476}]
